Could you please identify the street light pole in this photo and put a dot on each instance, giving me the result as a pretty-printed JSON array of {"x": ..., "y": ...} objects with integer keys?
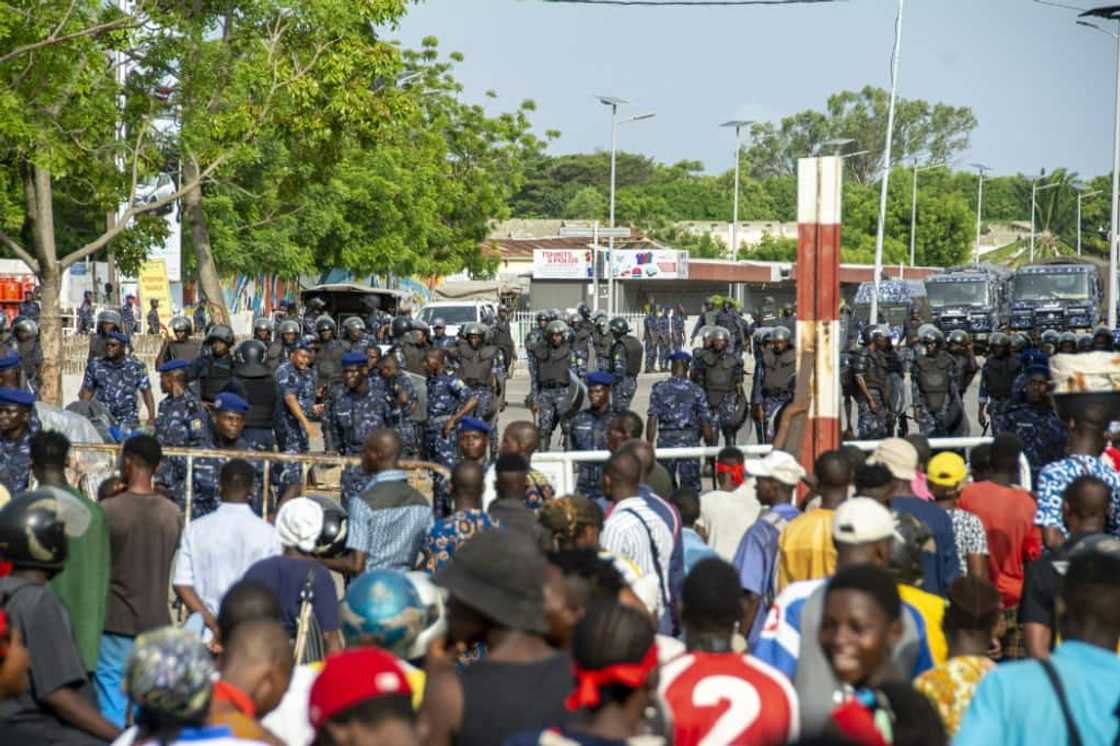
[
  {"x": 614, "y": 102},
  {"x": 1112, "y": 12},
  {"x": 980, "y": 169},
  {"x": 874, "y": 316},
  {"x": 1081, "y": 196},
  {"x": 738, "y": 124}
]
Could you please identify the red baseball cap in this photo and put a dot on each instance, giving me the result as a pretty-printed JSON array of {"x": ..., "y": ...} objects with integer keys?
[{"x": 353, "y": 676}]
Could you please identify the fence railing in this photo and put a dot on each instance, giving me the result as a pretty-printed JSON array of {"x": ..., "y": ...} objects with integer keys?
[
  {"x": 566, "y": 461},
  {"x": 418, "y": 471}
]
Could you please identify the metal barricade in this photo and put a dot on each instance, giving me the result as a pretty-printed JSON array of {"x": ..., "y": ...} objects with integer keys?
[
  {"x": 567, "y": 460},
  {"x": 418, "y": 471}
]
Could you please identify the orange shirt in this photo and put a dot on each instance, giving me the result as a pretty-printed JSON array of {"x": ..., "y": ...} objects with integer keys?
[{"x": 1008, "y": 517}]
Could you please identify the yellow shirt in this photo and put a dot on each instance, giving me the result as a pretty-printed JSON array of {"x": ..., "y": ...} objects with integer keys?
[
  {"x": 805, "y": 548},
  {"x": 932, "y": 609},
  {"x": 950, "y": 687}
]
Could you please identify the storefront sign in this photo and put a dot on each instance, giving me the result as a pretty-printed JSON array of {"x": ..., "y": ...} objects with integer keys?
[
  {"x": 650, "y": 264},
  {"x": 562, "y": 264}
]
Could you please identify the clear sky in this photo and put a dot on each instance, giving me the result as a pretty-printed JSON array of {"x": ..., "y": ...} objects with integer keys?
[{"x": 1042, "y": 87}]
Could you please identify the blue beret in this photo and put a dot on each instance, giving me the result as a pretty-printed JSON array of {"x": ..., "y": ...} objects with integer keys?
[
  {"x": 17, "y": 396},
  {"x": 599, "y": 378},
  {"x": 118, "y": 336},
  {"x": 1037, "y": 370},
  {"x": 171, "y": 365},
  {"x": 227, "y": 402},
  {"x": 354, "y": 358},
  {"x": 9, "y": 361},
  {"x": 680, "y": 355},
  {"x": 473, "y": 425}
]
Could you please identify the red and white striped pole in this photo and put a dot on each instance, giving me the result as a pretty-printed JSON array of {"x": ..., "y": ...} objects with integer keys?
[{"x": 818, "y": 301}]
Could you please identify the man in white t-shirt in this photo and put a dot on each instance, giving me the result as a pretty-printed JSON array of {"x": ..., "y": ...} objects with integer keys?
[{"x": 728, "y": 512}]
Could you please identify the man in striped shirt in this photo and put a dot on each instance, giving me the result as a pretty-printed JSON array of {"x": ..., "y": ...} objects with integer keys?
[{"x": 633, "y": 530}]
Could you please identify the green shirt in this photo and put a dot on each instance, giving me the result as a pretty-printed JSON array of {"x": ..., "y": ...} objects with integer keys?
[{"x": 83, "y": 585}]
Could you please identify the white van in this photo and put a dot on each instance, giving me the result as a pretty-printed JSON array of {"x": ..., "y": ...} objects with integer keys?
[{"x": 456, "y": 314}]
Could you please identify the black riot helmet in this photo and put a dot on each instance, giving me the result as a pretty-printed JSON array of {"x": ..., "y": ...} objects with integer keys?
[
  {"x": 1102, "y": 339},
  {"x": 250, "y": 353},
  {"x": 1050, "y": 337},
  {"x": 780, "y": 334},
  {"x": 289, "y": 326},
  {"x": 1019, "y": 342},
  {"x": 619, "y": 327},
  {"x": 316, "y": 304},
  {"x": 1001, "y": 340},
  {"x": 929, "y": 334},
  {"x": 110, "y": 317},
  {"x": 324, "y": 323},
  {"x": 180, "y": 324},
  {"x": 401, "y": 326},
  {"x": 220, "y": 333},
  {"x": 32, "y": 534},
  {"x": 584, "y": 310},
  {"x": 1067, "y": 342},
  {"x": 262, "y": 324},
  {"x": 26, "y": 325},
  {"x": 959, "y": 337}
]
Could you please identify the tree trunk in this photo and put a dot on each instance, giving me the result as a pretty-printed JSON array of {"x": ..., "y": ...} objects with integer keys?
[
  {"x": 208, "y": 283},
  {"x": 40, "y": 211}
]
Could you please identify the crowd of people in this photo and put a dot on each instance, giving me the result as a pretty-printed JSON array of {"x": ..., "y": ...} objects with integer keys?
[{"x": 900, "y": 596}]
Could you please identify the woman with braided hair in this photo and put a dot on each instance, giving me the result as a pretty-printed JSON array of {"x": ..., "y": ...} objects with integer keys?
[{"x": 614, "y": 654}]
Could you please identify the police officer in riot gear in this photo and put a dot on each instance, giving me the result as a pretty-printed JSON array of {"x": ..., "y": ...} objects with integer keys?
[
  {"x": 601, "y": 341},
  {"x": 312, "y": 313},
  {"x": 503, "y": 337},
  {"x": 287, "y": 333},
  {"x": 960, "y": 347},
  {"x": 996, "y": 380},
  {"x": 625, "y": 364},
  {"x": 1103, "y": 340},
  {"x": 180, "y": 346},
  {"x": 1067, "y": 343},
  {"x": 25, "y": 335},
  {"x": 581, "y": 335},
  {"x": 354, "y": 337},
  {"x": 414, "y": 348},
  {"x": 481, "y": 368},
  {"x": 774, "y": 380},
  {"x": 254, "y": 382},
  {"x": 872, "y": 383},
  {"x": 262, "y": 330},
  {"x": 553, "y": 362},
  {"x": 937, "y": 401},
  {"x": 1048, "y": 342},
  {"x": 213, "y": 369},
  {"x": 720, "y": 373},
  {"x": 107, "y": 321}
]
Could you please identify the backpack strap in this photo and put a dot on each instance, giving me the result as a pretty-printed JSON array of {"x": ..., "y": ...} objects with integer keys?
[
  {"x": 1063, "y": 701},
  {"x": 661, "y": 585}
]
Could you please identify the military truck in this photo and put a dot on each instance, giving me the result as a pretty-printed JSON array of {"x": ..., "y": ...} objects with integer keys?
[
  {"x": 975, "y": 299},
  {"x": 897, "y": 299},
  {"x": 1065, "y": 293}
]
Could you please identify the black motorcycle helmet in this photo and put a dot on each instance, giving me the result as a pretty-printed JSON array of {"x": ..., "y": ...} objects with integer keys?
[
  {"x": 220, "y": 333},
  {"x": 619, "y": 327},
  {"x": 32, "y": 534},
  {"x": 332, "y": 539},
  {"x": 400, "y": 326}
]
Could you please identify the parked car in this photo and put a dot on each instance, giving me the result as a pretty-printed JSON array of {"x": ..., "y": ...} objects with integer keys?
[{"x": 455, "y": 314}]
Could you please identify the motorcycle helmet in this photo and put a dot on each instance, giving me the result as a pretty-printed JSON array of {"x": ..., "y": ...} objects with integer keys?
[
  {"x": 332, "y": 539},
  {"x": 32, "y": 533},
  {"x": 383, "y": 607}
]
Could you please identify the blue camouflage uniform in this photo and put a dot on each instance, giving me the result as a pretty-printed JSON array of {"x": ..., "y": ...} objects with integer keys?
[
  {"x": 30, "y": 309},
  {"x": 625, "y": 385},
  {"x": 996, "y": 381},
  {"x": 206, "y": 473},
  {"x": 649, "y": 339},
  {"x": 198, "y": 318},
  {"x": 446, "y": 395},
  {"x": 681, "y": 410},
  {"x": 548, "y": 387},
  {"x": 15, "y": 455},
  {"x": 588, "y": 430},
  {"x": 720, "y": 374},
  {"x": 677, "y": 329},
  {"x": 873, "y": 366},
  {"x": 181, "y": 422},
  {"x": 290, "y": 435},
  {"x": 354, "y": 416},
  {"x": 936, "y": 418},
  {"x": 128, "y": 319},
  {"x": 117, "y": 385},
  {"x": 398, "y": 415},
  {"x": 664, "y": 339},
  {"x": 153, "y": 321},
  {"x": 1043, "y": 435},
  {"x": 773, "y": 386}
]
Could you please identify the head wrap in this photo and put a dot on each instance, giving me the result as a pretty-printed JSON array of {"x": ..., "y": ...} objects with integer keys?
[
  {"x": 170, "y": 671},
  {"x": 737, "y": 472},
  {"x": 589, "y": 682}
]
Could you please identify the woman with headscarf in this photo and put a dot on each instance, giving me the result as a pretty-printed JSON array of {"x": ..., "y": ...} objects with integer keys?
[{"x": 296, "y": 572}]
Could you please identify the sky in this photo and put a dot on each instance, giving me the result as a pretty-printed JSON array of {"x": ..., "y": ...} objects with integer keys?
[{"x": 1042, "y": 87}]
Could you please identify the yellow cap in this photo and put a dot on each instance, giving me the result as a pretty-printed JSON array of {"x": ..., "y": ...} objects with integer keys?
[{"x": 946, "y": 469}]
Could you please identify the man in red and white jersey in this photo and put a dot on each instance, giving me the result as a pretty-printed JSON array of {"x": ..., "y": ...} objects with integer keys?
[{"x": 718, "y": 696}]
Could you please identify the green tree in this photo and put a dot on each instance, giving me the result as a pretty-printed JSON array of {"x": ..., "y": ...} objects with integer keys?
[{"x": 588, "y": 203}]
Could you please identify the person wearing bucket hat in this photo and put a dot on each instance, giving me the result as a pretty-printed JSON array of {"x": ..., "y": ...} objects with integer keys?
[
  {"x": 942, "y": 566},
  {"x": 169, "y": 678},
  {"x": 496, "y": 586}
]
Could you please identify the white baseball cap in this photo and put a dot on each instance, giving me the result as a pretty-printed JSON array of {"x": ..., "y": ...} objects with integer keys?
[
  {"x": 898, "y": 455},
  {"x": 862, "y": 520},
  {"x": 777, "y": 465}
]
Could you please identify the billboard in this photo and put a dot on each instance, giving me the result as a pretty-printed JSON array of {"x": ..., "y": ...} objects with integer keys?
[
  {"x": 650, "y": 264},
  {"x": 562, "y": 264}
]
